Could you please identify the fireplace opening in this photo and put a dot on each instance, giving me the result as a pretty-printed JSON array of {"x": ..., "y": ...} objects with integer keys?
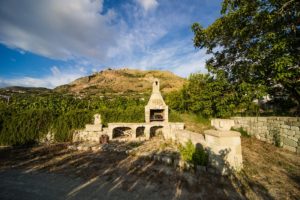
[{"x": 157, "y": 115}]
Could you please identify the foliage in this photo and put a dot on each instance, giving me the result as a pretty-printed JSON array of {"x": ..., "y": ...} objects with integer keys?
[
  {"x": 276, "y": 138},
  {"x": 65, "y": 124},
  {"x": 256, "y": 43},
  {"x": 26, "y": 127},
  {"x": 27, "y": 117},
  {"x": 208, "y": 96},
  {"x": 194, "y": 155},
  {"x": 243, "y": 132},
  {"x": 174, "y": 116}
]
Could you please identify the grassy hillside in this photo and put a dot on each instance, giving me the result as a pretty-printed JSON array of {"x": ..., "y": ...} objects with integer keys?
[{"x": 122, "y": 82}]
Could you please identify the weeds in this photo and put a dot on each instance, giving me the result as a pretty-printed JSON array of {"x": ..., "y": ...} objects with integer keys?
[
  {"x": 191, "y": 154},
  {"x": 243, "y": 132}
]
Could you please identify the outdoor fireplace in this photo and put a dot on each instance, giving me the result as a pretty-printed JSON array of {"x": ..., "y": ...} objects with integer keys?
[
  {"x": 156, "y": 115},
  {"x": 156, "y": 110}
]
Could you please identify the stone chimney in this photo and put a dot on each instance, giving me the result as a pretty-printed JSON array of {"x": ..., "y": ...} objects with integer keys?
[{"x": 156, "y": 110}]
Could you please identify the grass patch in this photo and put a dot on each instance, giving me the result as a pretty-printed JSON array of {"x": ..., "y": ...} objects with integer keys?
[{"x": 194, "y": 122}]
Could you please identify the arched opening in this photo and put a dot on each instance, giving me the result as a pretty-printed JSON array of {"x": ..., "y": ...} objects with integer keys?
[
  {"x": 140, "y": 131},
  {"x": 156, "y": 131},
  {"x": 122, "y": 132}
]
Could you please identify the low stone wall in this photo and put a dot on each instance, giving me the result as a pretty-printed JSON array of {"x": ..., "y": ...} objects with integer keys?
[
  {"x": 183, "y": 136},
  {"x": 224, "y": 147},
  {"x": 280, "y": 131}
]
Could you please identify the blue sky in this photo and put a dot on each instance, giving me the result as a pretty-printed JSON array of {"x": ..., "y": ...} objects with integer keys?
[{"x": 47, "y": 43}]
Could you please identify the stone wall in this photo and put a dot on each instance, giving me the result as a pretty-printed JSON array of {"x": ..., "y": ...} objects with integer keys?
[
  {"x": 280, "y": 131},
  {"x": 183, "y": 136}
]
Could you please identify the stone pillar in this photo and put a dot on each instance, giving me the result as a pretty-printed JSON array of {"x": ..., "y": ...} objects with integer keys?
[
  {"x": 224, "y": 146},
  {"x": 147, "y": 114},
  {"x": 225, "y": 150},
  {"x": 147, "y": 132},
  {"x": 110, "y": 132},
  {"x": 166, "y": 113},
  {"x": 134, "y": 129}
]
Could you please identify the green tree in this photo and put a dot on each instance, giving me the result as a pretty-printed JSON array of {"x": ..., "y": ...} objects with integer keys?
[{"x": 256, "y": 42}]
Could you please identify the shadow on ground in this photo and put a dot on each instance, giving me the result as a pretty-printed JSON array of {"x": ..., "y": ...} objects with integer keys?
[{"x": 54, "y": 172}]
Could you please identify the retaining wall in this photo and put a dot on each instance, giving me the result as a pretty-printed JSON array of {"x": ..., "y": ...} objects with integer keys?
[{"x": 280, "y": 131}]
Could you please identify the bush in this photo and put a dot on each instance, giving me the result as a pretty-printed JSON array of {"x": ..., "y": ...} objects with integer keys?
[
  {"x": 243, "y": 132},
  {"x": 65, "y": 124},
  {"x": 26, "y": 127},
  {"x": 191, "y": 154},
  {"x": 174, "y": 116}
]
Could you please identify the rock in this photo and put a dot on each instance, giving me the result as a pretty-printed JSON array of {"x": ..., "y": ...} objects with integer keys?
[
  {"x": 200, "y": 169},
  {"x": 167, "y": 160},
  {"x": 86, "y": 148},
  {"x": 79, "y": 148},
  {"x": 176, "y": 163},
  {"x": 95, "y": 148},
  {"x": 156, "y": 157},
  {"x": 104, "y": 139},
  {"x": 181, "y": 164},
  {"x": 72, "y": 147},
  {"x": 289, "y": 142}
]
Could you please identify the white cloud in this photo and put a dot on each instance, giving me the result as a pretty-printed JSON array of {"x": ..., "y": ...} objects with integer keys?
[
  {"x": 56, "y": 78},
  {"x": 148, "y": 4},
  {"x": 79, "y": 32},
  {"x": 59, "y": 29},
  {"x": 179, "y": 57}
]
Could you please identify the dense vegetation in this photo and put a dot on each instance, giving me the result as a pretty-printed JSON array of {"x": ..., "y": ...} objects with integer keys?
[
  {"x": 212, "y": 96},
  {"x": 26, "y": 117},
  {"x": 255, "y": 52},
  {"x": 255, "y": 44}
]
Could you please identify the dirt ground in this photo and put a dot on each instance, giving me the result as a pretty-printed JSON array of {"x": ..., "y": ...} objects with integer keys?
[{"x": 54, "y": 172}]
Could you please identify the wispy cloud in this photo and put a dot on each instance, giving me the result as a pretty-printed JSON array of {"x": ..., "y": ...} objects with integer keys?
[
  {"x": 148, "y": 4},
  {"x": 142, "y": 34},
  {"x": 55, "y": 78}
]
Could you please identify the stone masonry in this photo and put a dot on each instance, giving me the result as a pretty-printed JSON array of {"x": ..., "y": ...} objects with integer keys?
[
  {"x": 224, "y": 145},
  {"x": 280, "y": 131}
]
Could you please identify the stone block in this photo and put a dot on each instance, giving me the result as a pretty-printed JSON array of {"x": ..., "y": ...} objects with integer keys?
[
  {"x": 262, "y": 119},
  {"x": 293, "y": 149},
  {"x": 93, "y": 127},
  {"x": 298, "y": 150},
  {"x": 224, "y": 149},
  {"x": 289, "y": 142},
  {"x": 222, "y": 124},
  {"x": 294, "y": 128},
  {"x": 291, "y": 133},
  {"x": 167, "y": 160},
  {"x": 292, "y": 119}
]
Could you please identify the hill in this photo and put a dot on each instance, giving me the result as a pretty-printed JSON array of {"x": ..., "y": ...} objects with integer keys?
[
  {"x": 122, "y": 82},
  {"x": 24, "y": 90}
]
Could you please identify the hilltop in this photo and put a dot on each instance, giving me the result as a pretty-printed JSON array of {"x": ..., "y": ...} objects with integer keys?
[{"x": 122, "y": 81}]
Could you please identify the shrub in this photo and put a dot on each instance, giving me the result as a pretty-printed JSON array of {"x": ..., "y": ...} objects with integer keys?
[
  {"x": 243, "y": 132},
  {"x": 26, "y": 127},
  {"x": 191, "y": 154},
  {"x": 65, "y": 124}
]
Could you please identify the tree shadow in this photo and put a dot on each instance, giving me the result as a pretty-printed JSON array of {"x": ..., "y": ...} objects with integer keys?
[
  {"x": 117, "y": 175},
  {"x": 239, "y": 179}
]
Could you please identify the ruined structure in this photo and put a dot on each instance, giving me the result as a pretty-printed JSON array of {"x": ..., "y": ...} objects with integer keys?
[
  {"x": 156, "y": 122},
  {"x": 223, "y": 145}
]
